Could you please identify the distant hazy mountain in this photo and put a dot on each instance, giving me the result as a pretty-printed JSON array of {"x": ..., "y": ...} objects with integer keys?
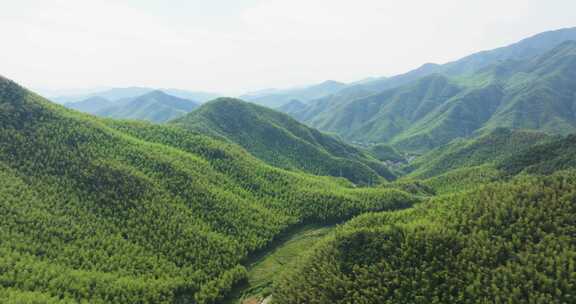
[
  {"x": 115, "y": 94},
  {"x": 319, "y": 110},
  {"x": 274, "y": 98},
  {"x": 155, "y": 106},
  {"x": 281, "y": 141},
  {"x": 91, "y": 105},
  {"x": 196, "y": 96},
  {"x": 109, "y": 94},
  {"x": 524, "y": 49},
  {"x": 440, "y": 103},
  {"x": 292, "y": 106}
]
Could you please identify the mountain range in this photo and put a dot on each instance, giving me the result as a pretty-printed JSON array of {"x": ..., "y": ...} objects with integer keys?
[
  {"x": 282, "y": 141},
  {"x": 451, "y": 183},
  {"x": 524, "y": 85},
  {"x": 99, "y": 210}
]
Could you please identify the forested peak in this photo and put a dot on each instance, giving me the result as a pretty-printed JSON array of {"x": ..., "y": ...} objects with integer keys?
[
  {"x": 10, "y": 91},
  {"x": 231, "y": 105}
]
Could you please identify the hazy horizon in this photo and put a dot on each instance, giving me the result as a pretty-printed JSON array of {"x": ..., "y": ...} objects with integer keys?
[{"x": 249, "y": 45}]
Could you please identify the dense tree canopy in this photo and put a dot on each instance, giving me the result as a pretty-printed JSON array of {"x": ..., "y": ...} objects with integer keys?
[
  {"x": 102, "y": 211},
  {"x": 507, "y": 242}
]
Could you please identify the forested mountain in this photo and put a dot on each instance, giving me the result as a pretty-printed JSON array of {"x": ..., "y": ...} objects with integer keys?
[
  {"x": 281, "y": 141},
  {"x": 233, "y": 202},
  {"x": 278, "y": 98},
  {"x": 507, "y": 242},
  {"x": 155, "y": 106},
  {"x": 504, "y": 233},
  {"x": 381, "y": 110},
  {"x": 103, "y": 211},
  {"x": 530, "y": 94}
]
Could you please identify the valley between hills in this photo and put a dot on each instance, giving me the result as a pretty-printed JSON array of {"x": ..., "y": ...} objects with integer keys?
[{"x": 451, "y": 183}]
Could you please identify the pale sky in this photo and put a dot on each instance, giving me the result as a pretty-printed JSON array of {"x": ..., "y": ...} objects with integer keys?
[{"x": 233, "y": 46}]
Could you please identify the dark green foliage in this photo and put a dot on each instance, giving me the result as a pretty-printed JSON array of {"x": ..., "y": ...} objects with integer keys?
[
  {"x": 416, "y": 187},
  {"x": 385, "y": 152},
  {"x": 464, "y": 179},
  {"x": 543, "y": 159},
  {"x": 485, "y": 149},
  {"x": 102, "y": 211},
  {"x": 503, "y": 243},
  {"x": 281, "y": 141}
]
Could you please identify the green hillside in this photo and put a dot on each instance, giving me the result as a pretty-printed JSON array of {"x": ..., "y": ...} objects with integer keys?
[
  {"x": 489, "y": 148},
  {"x": 281, "y": 141},
  {"x": 101, "y": 211},
  {"x": 156, "y": 199},
  {"x": 544, "y": 158},
  {"x": 503, "y": 243},
  {"x": 385, "y": 152},
  {"x": 499, "y": 229}
]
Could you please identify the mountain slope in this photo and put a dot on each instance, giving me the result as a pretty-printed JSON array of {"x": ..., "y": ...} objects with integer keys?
[
  {"x": 155, "y": 106},
  {"x": 535, "y": 94},
  {"x": 489, "y": 148},
  {"x": 281, "y": 141},
  {"x": 106, "y": 211},
  {"x": 544, "y": 158},
  {"x": 502, "y": 243},
  {"x": 326, "y": 112}
]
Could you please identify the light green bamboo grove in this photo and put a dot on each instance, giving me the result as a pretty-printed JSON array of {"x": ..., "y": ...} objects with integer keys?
[
  {"x": 103, "y": 211},
  {"x": 505, "y": 242}
]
